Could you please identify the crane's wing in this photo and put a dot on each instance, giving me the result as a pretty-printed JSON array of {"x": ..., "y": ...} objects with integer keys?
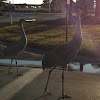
[
  {"x": 65, "y": 52},
  {"x": 14, "y": 49}
]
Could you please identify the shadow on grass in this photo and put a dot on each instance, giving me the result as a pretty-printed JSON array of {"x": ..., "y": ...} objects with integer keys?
[
  {"x": 44, "y": 26},
  {"x": 49, "y": 37}
]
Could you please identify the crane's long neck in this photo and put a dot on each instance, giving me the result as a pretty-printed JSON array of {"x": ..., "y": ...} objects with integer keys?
[
  {"x": 78, "y": 29},
  {"x": 23, "y": 35}
]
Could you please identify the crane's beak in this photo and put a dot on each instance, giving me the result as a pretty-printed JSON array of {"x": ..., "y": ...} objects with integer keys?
[{"x": 30, "y": 20}]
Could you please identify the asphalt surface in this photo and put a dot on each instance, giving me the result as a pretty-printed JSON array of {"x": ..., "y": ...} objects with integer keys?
[{"x": 30, "y": 86}]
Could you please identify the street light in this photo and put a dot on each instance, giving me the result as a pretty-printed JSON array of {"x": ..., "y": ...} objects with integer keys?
[
  {"x": 49, "y": 6},
  {"x": 67, "y": 18},
  {"x": 68, "y": 1},
  {"x": 10, "y": 11}
]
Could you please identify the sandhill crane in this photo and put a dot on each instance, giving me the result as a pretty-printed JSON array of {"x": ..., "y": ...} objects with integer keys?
[
  {"x": 14, "y": 49},
  {"x": 63, "y": 54}
]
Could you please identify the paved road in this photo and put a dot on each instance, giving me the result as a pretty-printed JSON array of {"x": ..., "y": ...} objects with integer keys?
[
  {"x": 17, "y": 16},
  {"x": 78, "y": 85}
]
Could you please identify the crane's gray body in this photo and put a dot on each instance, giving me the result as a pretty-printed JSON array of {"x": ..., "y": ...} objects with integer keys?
[
  {"x": 63, "y": 54},
  {"x": 14, "y": 49},
  {"x": 58, "y": 58}
]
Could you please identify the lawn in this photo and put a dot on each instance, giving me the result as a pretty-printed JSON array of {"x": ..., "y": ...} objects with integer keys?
[{"x": 49, "y": 34}]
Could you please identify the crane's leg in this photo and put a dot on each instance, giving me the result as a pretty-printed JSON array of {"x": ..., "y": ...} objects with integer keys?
[
  {"x": 45, "y": 90},
  {"x": 10, "y": 67},
  {"x": 67, "y": 68},
  {"x": 63, "y": 95},
  {"x": 18, "y": 74}
]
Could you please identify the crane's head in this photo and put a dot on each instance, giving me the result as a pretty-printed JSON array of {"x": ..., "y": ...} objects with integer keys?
[{"x": 23, "y": 20}]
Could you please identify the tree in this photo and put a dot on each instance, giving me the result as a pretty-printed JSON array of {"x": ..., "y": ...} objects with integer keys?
[
  {"x": 54, "y": 5},
  {"x": 97, "y": 11},
  {"x": 1, "y": 5},
  {"x": 58, "y": 5},
  {"x": 45, "y": 3},
  {"x": 83, "y": 3},
  {"x": 2, "y": 2}
]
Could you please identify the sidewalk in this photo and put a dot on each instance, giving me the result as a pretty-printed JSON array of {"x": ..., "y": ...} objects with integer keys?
[{"x": 9, "y": 90}]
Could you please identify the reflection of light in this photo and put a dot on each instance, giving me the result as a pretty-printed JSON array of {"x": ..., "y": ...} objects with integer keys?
[
  {"x": 89, "y": 68},
  {"x": 20, "y": 62},
  {"x": 86, "y": 68}
]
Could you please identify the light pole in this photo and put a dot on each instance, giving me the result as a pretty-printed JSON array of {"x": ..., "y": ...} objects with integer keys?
[
  {"x": 49, "y": 6},
  {"x": 10, "y": 12},
  {"x": 67, "y": 18}
]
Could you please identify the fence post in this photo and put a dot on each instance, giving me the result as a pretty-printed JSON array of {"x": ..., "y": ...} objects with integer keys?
[{"x": 81, "y": 67}]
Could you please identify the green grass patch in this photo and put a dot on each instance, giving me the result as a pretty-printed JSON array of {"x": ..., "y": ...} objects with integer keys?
[{"x": 49, "y": 34}]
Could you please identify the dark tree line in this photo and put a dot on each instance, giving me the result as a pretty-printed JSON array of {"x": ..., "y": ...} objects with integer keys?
[
  {"x": 97, "y": 12},
  {"x": 59, "y": 5}
]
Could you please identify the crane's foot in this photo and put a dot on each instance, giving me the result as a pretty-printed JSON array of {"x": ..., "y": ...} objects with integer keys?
[
  {"x": 47, "y": 92},
  {"x": 9, "y": 72},
  {"x": 19, "y": 74},
  {"x": 64, "y": 97}
]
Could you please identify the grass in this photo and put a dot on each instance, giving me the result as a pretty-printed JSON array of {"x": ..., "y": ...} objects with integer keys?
[{"x": 49, "y": 34}]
